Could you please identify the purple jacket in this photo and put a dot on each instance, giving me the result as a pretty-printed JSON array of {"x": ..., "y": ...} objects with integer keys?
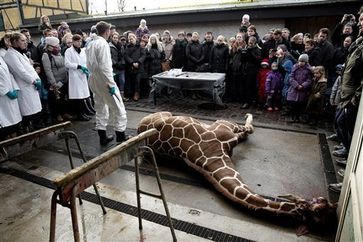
[
  {"x": 299, "y": 76},
  {"x": 273, "y": 82},
  {"x": 141, "y": 32}
]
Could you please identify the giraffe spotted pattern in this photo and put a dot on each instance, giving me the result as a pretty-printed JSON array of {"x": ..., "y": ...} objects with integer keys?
[{"x": 208, "y": 149}]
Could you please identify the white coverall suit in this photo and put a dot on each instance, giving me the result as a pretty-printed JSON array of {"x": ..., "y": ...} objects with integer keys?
[{"x": 99, "y": 64}]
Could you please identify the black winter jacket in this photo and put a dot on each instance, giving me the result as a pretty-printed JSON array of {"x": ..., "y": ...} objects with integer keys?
[
  {"x": 179, "y": 54},
  {"x": 219, "y": 58},
  {"x": 117, "y": 56},
  {"x": 195, "y": 56},
  {"x": 207, "y": 48},
  {"x": 134, "y": 54},
  {"x": 154, "y": 58}
]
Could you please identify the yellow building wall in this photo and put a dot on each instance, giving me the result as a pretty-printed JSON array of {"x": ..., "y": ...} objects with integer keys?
[{"x": 34, "y": 9}]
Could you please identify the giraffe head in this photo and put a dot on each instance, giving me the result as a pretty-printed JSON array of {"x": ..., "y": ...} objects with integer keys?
[{"x": 316, "y": 213}]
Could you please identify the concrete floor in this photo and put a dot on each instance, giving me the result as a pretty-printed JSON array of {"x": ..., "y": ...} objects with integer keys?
[{"x": 272, "y": 162}]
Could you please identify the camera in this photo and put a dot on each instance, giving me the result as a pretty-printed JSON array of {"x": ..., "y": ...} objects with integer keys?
[{"x": 349, "y": 18}]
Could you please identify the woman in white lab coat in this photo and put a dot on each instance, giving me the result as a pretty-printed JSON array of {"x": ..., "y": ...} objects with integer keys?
[
  {"x": 76, "y": 62},
  {"x": 10, "y": 115},
  {"x": 4, "y": 44},
  {"x": 27, "y": 79}
]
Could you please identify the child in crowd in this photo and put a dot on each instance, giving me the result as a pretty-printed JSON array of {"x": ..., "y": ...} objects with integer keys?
[
  {"x": 315, "y": 104},
  {"x": 273, "y": 88},
  {"x": 261, "y": 79},
  {"x": 335, "y": 100},
  {"x": 300, "y": 82},
  {"x": 336, "y": 89}
]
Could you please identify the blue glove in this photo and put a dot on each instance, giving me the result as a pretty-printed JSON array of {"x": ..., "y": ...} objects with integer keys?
[
  {"x": 112, "y": 90},
  {"x": 12, "y": 94},
  {"x": 38, "y": 84},
  {"x": 85, "y": 70}
]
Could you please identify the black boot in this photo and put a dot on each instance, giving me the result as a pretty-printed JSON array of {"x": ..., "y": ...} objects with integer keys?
[
  {"x": 104, "y": 139},
  {"x": 83, "y": 117},
  {"x": 120, "y": 137},
  {"x": 89, "y": 107}
]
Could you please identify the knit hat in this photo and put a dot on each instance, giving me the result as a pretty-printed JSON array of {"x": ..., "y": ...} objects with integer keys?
[
  {"x": 304, "y": 58},
  {"x": 246, "y": 16},
  {"x": 265, "y": 62},
  {"x": 53, "y": 41}
]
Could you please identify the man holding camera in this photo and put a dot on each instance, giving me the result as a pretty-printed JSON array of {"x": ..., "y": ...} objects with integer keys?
[
  {"x": 346, "y": 27},
  {"x": 351, "y": 91}
]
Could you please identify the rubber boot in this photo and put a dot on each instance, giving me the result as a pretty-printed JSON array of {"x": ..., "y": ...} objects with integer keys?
[
  {"x": 120, "y": 137},
  {"x": 89, "y": 105},
  {"x": 104, "y": 139}
]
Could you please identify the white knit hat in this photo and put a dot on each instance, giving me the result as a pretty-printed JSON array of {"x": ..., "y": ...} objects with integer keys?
[
  {"x": 53, "y": 41},
  {"x": 246, "y": 16},
  {"x": 304, "y": 58}
]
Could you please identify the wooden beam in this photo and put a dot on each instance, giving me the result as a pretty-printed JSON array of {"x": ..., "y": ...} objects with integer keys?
[
  {"x": 19, "y": 145},
  {"x": 55, "y": 8},
  {"x": 34, "y": 134},
  {"x": 102, "y": 165}
]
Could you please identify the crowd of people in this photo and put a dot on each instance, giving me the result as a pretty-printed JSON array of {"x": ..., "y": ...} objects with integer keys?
[{"x": 300, "y": 75}]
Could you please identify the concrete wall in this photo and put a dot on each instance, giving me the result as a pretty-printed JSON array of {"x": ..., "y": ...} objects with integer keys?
[{"x": 227, "y": 28}]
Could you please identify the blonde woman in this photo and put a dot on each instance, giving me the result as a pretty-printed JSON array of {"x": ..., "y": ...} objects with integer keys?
[
  {"x": 134, "y": 58},
  {"x": 44, "y": 24},
  {"x": 27, "y": 79},
  {"x": 297, "y": 45},
  {"x": 66, "y": 42},
  {"x": 154, "y": 55}
]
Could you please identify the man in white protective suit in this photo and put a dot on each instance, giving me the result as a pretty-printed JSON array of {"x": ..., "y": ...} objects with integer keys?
[{"x": 108, "y": 101}]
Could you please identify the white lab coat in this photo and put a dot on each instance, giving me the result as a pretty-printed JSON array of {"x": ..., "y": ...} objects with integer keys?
[
  {"x": 3, "y": 52},
  {"x": 24, "y": 74},
  {"x": 77, "y": 83},
  {"x": 101, "y": 79},
  {"x": 9, "y": 109}
]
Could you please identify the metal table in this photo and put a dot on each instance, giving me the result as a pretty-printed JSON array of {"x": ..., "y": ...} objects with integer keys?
[{"x": 212, "y": 83}]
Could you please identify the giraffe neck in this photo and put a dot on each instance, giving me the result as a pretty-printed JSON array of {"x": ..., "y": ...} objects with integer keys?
[{"x": 229, "y": 182}]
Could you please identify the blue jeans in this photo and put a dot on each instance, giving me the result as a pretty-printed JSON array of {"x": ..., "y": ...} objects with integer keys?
[{"x": 121, "y": 81}]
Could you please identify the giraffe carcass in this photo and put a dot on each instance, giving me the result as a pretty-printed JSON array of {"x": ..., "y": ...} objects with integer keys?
[{"x": 208, "y": 149}]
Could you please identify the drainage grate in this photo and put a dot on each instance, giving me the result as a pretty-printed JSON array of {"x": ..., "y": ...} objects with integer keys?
[
  {"x": 180, "y": 225},
  {"x": 329, "y": 170},
  {"x": 149, "y": 172}
]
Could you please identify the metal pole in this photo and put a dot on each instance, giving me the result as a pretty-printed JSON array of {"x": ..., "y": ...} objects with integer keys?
[
  {"x": 71, "y": 161},
  {"x": 75, "y": 137},
  {"x": 74, "y": 218},
  {"x": 21, "y": 13},
  {"x": 105, "y": 7},
  {"x": 136, "y": 159},
  {"x": 157, "y": 175},
  {"x": 53, "y": 216}
]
